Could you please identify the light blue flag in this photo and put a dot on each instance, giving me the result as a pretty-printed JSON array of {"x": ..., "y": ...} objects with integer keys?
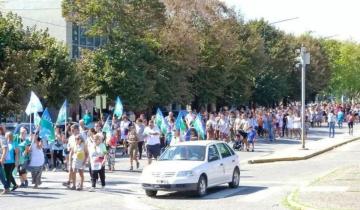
[
  {"x": 107, "y": 128},
  {"x": 61, "y": 119},
  {"x": 159, "y": 118},
  {"x": 198, "y": 125},
  {"x": 46, "y": 127},
  {"x": 34, "y": 105},
  {"x": 37, "y": 119},
  {"x": 118, "y": 111}
]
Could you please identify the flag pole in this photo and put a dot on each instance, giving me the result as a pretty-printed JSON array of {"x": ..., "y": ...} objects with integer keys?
[
  {"x": 30, "y": 125},
  {"x": 65, "y": 120}
]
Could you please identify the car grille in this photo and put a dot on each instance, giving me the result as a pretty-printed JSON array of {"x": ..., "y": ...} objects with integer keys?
[{"x": 163, "y": 174}]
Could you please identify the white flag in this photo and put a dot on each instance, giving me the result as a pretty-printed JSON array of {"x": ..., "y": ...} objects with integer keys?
[{"x": 34, "y": 105}]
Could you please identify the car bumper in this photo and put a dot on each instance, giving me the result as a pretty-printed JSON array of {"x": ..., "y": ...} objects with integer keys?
[{"x": 171, "y": 187}]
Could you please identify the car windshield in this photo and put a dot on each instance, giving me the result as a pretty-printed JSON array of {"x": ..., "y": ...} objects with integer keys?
[{"x": 184, "y": 152}]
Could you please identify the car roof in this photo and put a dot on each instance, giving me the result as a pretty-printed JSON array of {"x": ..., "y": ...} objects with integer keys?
[{"x": 198, "y": 143}]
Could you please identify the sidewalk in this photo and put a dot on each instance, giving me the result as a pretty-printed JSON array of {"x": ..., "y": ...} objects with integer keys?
[
  {"x": 316, "y": 143},
  {"x": 337, "y": 190}
]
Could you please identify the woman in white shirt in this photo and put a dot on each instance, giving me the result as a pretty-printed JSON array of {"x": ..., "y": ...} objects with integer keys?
[
  {"x": 37, "y": 160},
  {"x": 297, "y": 126},
  {"x": 97, "y": 156},
  {"x": 290, "y": 124}
]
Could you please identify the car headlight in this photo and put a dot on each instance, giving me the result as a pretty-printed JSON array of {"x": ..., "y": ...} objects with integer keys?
[{"x": 185, "y": 173}]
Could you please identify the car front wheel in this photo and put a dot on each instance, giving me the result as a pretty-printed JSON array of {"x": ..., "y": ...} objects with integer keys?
[
  {"x": 201, "y": 186},
  {"x": 151, "y": 193},
  {"x": 235, "y": 179}
]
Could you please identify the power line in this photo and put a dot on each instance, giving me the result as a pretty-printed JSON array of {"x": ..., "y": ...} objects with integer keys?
[
  {"x": 44, "y": 22},
  {"x": 22, "y": 9}
]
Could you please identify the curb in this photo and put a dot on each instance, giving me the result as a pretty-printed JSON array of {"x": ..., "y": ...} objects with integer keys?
[
  {"x": 293, "y": 204},
  {"x": 270, "y": 160}
]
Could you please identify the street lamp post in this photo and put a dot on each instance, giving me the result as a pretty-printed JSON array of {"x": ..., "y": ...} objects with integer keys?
[
  {"x": 304, "y": 59},
  {"x": 279, "y": 21}
]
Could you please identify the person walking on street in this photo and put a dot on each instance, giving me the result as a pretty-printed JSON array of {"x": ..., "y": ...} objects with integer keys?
[
  {"x": 124, "y": 128},
  {"x": 12, "y": 160},
  {"x": 69, "y": 147},
  {"x": 57, "y": 148},
  {"x": 350, "y": 119},
  {"x": 78, "y": 156},
  {"x": 152, "y": 134},
  {"x": 340, "y": 118},
  {"x": 111, "y": 145},
  {"x": 23, "y": 144},
  {"x": 97, "y": 156},
  {"x": 140, "y": 127},
  {"x": 3, "y": 153},
  {"x": 37, "y": 159},
  {"x": 331, "y": 121},
  {"x": 133, "y": 147}
]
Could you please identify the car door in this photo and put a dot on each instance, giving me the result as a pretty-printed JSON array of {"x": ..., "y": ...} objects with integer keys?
[
  {"x": 228, "y": 161},
  {"x": 215, "y": 168}
]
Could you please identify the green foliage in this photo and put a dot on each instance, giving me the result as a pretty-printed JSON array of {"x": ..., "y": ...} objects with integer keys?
[
  {"x": 345, "y": 60},
  {"x": 183, "y": 51},
  {"x": 31, "y": 60}
]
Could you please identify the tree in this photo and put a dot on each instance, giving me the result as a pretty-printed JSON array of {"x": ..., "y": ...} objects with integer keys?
[
  {"x": 344, "y": 63},
  {"x": 31, "y": 60},
  {"x": 318, "y": 73},
  {"x": 55, "y": 72},
  {"x": 128, "y": 65},
  {"x": 271, "y": 78}
]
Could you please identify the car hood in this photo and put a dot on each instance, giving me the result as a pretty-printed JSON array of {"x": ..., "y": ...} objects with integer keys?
[{"x": 173, "y": 166}]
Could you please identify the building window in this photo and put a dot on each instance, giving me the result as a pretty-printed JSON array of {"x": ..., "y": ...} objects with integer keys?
[{"x": 81, "y": 41}]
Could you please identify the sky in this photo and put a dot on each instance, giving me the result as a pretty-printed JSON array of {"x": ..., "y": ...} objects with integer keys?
[{"x": 333, "y": 19}]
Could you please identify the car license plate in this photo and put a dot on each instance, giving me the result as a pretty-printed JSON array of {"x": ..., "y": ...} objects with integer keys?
[{"x": 162, "y": 181}]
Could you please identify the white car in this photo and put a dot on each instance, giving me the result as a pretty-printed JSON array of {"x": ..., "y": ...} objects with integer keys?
[{"x": 192, "y": 166}]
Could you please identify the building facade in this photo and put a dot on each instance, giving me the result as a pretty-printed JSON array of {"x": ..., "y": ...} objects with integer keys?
[{"x": 47, "y": 14}]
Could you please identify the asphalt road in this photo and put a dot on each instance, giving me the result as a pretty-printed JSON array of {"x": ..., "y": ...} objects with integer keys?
[{"x": 263, "y": 186}]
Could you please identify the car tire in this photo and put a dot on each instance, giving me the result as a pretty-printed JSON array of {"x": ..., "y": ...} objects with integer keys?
[
  {"x": 151, "y": 193},
  {"x": 235, "y": 181},
  {"x": 201, "y": 186}
]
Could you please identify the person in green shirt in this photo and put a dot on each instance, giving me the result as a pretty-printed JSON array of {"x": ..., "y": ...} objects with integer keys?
[{"x": 23, "y": 144}]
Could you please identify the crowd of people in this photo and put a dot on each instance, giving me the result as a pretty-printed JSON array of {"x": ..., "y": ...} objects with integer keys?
[{"x": 78, "y": 148}]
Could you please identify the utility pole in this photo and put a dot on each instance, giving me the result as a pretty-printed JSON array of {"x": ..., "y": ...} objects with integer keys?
[{"x": 304, "y": 59}]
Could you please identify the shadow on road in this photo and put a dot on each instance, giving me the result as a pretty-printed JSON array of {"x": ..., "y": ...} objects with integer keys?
[
  {"x": 40, "y": 194},
  {"x": 214, "y": 193}
]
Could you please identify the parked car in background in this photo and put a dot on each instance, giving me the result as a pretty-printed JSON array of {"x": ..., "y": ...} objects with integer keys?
[
  {"x": 10, "y": 126},
  {"x": 192, "y": 166}
]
